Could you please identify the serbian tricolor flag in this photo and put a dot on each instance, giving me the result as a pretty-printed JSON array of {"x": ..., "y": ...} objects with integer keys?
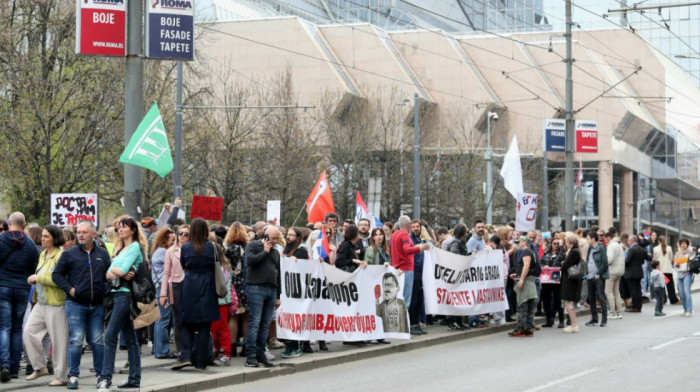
[
  {"x": 321, "y": 247},
  {"x": 320, "y": 201},
  {"x": 361, "y": 211}
]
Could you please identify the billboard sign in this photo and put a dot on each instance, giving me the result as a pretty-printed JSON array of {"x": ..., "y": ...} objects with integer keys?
[
  {"x": 170, "y": 29},
  {"x": 554, "y": 135},
  {"x": 101, "y": 27},
  {"x": 586, "y": 136}
]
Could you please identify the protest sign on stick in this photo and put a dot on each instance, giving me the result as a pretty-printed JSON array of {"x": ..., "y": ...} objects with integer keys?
[
  {"x": 69, "y": 209},
  {"x": 207, "y": 207}
]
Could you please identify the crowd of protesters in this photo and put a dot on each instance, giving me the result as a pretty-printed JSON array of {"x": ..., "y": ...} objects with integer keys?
[{"x": 67, "y": 291}]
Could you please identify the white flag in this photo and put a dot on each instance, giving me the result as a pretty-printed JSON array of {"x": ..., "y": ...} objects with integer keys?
[{"x": 511, "y": 171}]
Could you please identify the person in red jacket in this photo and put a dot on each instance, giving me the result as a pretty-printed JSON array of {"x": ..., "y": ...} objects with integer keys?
[{"x": 402, "y": 251}]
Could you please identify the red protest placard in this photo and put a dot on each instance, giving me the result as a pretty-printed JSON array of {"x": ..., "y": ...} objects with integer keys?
[{"x": 207, "y": 207}]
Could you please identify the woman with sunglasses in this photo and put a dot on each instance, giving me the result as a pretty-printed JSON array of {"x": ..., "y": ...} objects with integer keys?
[
  {"x": 171, "y": 284},
  {"x": 164, "y": 239},
  {"x": 551, "y": 292},
  {"x": 127, "y": 259}
]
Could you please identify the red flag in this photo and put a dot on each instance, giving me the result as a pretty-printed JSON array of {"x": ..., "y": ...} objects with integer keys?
[{"x": 320, "y": 201}]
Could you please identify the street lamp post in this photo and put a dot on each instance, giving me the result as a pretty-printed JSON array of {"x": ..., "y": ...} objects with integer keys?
[{"x": 488, "y": 157}]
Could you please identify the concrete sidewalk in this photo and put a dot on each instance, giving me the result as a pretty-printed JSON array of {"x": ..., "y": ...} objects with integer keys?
[{"x": 157, "y": 376}]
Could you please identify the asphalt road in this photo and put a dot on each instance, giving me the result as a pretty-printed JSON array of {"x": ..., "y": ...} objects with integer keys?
[{"x": 637, "y": 353}]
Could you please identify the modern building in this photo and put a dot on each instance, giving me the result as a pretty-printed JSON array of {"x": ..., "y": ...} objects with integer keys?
[{"x": 646, "y": 106}]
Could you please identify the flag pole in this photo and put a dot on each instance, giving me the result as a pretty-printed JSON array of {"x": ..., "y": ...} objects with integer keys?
[
  {"x": 298, "y": 215},
  {"x": 488, "y": 205}
]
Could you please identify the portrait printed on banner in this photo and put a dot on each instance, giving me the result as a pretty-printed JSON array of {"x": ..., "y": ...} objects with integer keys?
[{"x": 393, "y": 309}]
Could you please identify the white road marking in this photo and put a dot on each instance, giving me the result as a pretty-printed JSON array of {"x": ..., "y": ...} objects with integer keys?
[
  {"x": 662, "y": 345},
  {"x": 560, "y": 381},
  {"x": 696, "y": 334}
]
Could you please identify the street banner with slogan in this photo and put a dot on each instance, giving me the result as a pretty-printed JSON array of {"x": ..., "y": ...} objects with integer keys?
[
  {"x": 361, "y": 211},
  {"x": 526, "y": 212},
  {"x": 456, "y": 285},
  {"x": 149, "y": 147},
  {"x": 207, "y": 207},
  {"x": 511, "y": 171},
  {"x": 321, "y": 302},
  {"x": 320, "y": 201},
  {"x": 69, "y": 209}
]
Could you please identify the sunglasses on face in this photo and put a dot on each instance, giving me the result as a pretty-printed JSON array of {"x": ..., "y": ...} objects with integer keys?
[{"x": 183, "y": 234}]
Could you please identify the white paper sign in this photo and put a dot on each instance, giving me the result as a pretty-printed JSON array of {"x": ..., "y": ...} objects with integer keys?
[
  {"x": 165, "y": 215},
  {"x": 69, "y": 209},
  {"x": 321, "y": 302},
  {"x": 457, "y": 285},
  {"x": 526, "y": 212},
  {"x": 273, "y": 211}
]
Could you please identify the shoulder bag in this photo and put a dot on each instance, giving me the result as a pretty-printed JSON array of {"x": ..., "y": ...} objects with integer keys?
[{"x": 221, "y": 290}]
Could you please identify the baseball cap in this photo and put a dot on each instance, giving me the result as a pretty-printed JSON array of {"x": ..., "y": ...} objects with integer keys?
[{"x": 148, "y": 221}]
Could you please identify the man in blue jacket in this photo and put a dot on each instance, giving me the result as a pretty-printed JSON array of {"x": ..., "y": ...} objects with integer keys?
[
  {"x": 81, "y": 273},
  {"x": 18, "y": 259}
]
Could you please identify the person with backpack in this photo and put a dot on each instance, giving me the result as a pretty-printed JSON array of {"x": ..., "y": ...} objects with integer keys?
[
  {"x": 128, "y": 256},
  {"x": 527, "y": 268}
]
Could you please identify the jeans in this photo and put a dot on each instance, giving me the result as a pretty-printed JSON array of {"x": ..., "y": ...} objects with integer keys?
[
  {"x": 685, "y": 280},
  {"x": 13, "y": 305},
  {"x": 82, "y": 319},
  {"x": 417, "y": 306},
  {"x": 161, "y": 331},
  {"x": 645, "y": 279},
  {"x": 596, "y": 290},
  {"x": 659, "y": 294},
  {"x": 261, "y": 303},
  {"x": 121, "y": 322},
  {"x": 407, "y": 287},
  {"x": 195, "y": 344}
]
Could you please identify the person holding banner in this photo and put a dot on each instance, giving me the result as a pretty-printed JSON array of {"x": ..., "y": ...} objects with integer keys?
[
  {"x": 551, "y": 292},
  {"x": 525, "y": 289},
  {"x": 402, "y": 250},
  {"x": 294, "y": 249},
  {"x": 571, "y": 287},
  {"x": 378, "y": 252},
  {"x": 348, "y": 252}
]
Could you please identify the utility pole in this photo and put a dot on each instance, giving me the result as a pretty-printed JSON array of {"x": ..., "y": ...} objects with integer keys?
[
  {"x": 177, "y": 174},
  {"x": 569, "y": 117},
  {"x": 488, "y": 157},
  {"x": 545, "y": 184},
  {"x": 133, "y": 103},
  {"x": 416, "y": 158}
]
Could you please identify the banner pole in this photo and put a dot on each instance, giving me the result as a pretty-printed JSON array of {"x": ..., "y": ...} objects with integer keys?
[{"x": 298, "y": 215}]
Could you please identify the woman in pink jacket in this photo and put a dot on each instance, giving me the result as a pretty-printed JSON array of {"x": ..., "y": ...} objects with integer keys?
[{"x": 172, "y": 279}]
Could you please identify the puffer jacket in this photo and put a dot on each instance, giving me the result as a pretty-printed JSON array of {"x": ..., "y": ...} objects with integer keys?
[{"x": 616, "y": 258}]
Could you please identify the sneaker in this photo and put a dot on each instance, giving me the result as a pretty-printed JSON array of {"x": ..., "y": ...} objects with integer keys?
[
  {"x": 291, "y": 353},
  {"x": 4, "y": 374},
  {"x": 251, "y": 362},
  {"x": 528, "y": 332},
  {"x": 57, "y": 383},
  {"x": 604, "y": 324},
  {"x": 517, "y": 333},
  {"x": 128, "y": 385},
  {"x": 454, "y": 326},
  {"x": 571, "y": 329},
  {"x": 591, "y": 323},
  {"x": 103, "y": 386},
  {"x": 29, "y": 369},
  {"x": 275, "y": 344},
  {"x": 415, "y": 330},
  {"x": 659, "y": 314},
  {"x": 423, "y": 331},
  {"x": 687, "y": 314},
  {"x": 265, "y": 362},
  {"x": 223, "y": 360},
  {"x": 270, "y": 356},
  {"x": 72, "y": 382}
]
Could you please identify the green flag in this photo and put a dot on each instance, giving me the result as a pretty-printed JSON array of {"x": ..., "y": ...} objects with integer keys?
[{"x": 149, "y": 146}]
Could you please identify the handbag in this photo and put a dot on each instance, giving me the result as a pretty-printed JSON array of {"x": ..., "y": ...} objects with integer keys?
[
  {"x": 694, "y": 265},
  {"x": 221, "y": 290},
  {"x": 577, "y": 271}
]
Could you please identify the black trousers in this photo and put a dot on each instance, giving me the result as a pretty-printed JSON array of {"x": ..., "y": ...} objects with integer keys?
[
  {"x": 624, "y": 289},
  {"x": 195, "y": 343},
  {"x": 596, "y": 291},
  {"x": 417, "y": 305},
  {"x": 671, "y": 289},
  {"x": 635, "y": 288},
  {"x": 551, "y": 301}
]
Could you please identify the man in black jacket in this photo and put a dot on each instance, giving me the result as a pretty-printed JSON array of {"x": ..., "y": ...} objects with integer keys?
[
  {"x": 263, "y": 291},
  {"x": 18, "y": 259},
  {"x": 636, "y": 255},
  {"x": 80, "y": 272}
]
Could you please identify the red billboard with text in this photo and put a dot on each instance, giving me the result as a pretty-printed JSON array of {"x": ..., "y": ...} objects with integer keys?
[
  {"x": 586, "y": 136},
  {"x": 101, "y": 27}
]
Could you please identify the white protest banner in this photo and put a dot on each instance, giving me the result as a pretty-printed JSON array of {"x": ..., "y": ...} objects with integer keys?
[
  {"x": 321, "y": 302},
  {"x": 165, "y": 215},
  {"x": 274, "y": 208},
  {"x": 457, "y": 285},
  {"x": 526, "y": 212},
  {"x": 69, "y": 209}
]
